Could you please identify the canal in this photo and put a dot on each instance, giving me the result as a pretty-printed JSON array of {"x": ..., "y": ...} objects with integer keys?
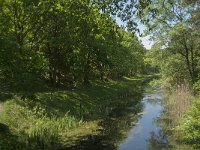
[
  {"x": 134, "y": 126},
  {"x": 147, "y": 134}
]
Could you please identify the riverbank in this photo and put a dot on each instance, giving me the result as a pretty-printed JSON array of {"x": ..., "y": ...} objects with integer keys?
[
  {"x": 180, "y": 119},
  {"x": 64, "y": 114}
]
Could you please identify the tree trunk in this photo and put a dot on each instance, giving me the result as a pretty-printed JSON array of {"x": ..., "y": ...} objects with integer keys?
[{"x": 187, "y": 58}]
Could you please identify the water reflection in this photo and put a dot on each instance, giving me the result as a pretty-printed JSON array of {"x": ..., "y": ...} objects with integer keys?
[
  {"x": 114, "y": 128},
  {"x": 147, "y": 132},
  {"x": 158, "y": 141},
  {"x": 121, "y": 124}
]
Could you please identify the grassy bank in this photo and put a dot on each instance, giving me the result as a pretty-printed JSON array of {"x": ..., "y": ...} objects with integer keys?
[
  {"x": 46, "y": 120},
  {"x": 180, "y": 121}
]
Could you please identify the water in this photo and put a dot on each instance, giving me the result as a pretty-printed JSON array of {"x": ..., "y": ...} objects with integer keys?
[
  {"x": 147, "y": 128},
  {"x": 125, "y": 130}
]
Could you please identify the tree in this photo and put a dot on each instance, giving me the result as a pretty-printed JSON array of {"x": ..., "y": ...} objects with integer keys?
[
  {"x": 64, "y": 43},
  {"x": 175, "y": 32}
]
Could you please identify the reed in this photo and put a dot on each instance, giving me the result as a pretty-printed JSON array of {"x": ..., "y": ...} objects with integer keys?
[{"x": 178, "y": 101}]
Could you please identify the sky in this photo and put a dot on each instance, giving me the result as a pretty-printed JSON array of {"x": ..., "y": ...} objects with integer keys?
[{"x": 145, "y": 40}]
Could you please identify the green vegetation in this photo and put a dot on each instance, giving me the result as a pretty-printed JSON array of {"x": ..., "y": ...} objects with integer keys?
[
  {"x": 59, "y": 65},
  {"x": 65, "y": 66},
  {"x": 46, "y": 120},
  {"x": 62, "y": 66},
  {"x": 32, "y": 127},
  {"x": 175, "y": 55},
  {"x": 63, "y": 44},
  {"x": 190, "y": 126}
]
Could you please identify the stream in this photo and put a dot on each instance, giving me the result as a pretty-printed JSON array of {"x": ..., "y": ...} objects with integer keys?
[
  {"x": 147, "y": 134},
  {"x": 131, "y": 127}
]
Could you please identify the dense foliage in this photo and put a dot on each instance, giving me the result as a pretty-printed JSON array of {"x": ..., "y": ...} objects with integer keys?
[
  {"x": 176, "y": 49},
  {"x": 63, "y": 43}
]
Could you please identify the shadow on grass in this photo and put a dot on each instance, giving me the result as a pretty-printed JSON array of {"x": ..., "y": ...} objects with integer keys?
[
  {"x": 87, "y": 103},
  {"x": 4, "y": 96},
  {"x": 8, "y": 140}
]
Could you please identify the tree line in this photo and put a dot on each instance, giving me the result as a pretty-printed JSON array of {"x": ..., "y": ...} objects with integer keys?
[
  {"x": 63, "y": 43},
  {"x": 175, "y": 29}
]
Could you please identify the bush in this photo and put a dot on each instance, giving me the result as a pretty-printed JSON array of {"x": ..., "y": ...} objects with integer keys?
[{"x": 190, "y": 126}]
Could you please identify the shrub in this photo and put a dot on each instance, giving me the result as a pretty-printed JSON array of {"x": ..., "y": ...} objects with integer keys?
[{"x": 190, "y": 126}]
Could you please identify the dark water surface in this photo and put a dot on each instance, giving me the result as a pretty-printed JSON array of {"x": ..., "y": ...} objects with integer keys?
[{"x": 125, "y": 130}]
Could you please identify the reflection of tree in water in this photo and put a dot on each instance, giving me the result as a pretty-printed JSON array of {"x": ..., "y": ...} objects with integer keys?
[
  {"x": 114, "y": 127},
  {"x": 158, "y": 141},
  {"x": 154, "y": 98}
]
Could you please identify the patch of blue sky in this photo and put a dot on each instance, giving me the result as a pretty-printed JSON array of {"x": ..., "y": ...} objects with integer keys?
[{"x": 145, "y": 40}]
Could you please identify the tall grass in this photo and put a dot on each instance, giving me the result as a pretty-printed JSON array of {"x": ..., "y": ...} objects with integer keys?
[
  {"x": 178, "y": 101},
  {"x": 34, "y": 129}
]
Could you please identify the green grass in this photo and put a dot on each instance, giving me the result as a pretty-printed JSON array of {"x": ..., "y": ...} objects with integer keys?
[
  {"x": 87, "y": 102},
  {"x": 45, "y": 120}
]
